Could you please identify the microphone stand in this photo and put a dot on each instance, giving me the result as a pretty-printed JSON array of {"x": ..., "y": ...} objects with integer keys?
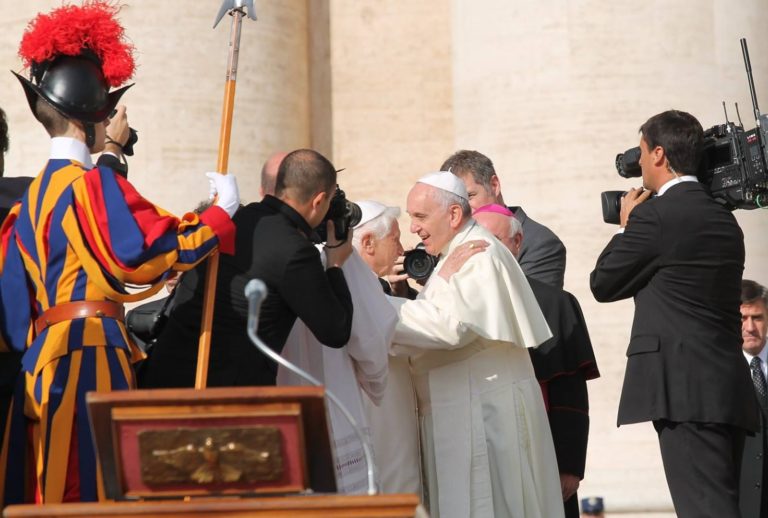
[{"x": 256, "y": 292}]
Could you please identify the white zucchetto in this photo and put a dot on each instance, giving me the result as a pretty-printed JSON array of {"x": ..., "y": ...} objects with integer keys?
[
  {"x": 446, "y": 181},
  {"x": 372, "y": 210}
]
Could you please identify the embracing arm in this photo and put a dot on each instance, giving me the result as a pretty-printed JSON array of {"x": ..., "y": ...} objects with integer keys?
[{"x": 424, "y": 325}]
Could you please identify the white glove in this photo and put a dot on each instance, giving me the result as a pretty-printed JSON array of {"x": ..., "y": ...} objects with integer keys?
[{"x": 225, "y": 187}]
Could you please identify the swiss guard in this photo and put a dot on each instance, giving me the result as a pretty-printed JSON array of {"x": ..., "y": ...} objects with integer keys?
[{"x": 80, "y": 234}]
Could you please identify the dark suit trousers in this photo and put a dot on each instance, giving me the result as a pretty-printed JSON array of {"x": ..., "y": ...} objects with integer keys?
[{"x": 702, "y": 463}]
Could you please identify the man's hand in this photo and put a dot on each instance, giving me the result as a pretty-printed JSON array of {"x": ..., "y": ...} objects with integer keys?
[
  {"x": 118, "y": 131},
  {"x": 336, "y": 252},
  {"x": 398, "y": 279},
  {"x": 629, "y": 201},
  {"x": 460, "y": 255},
  {"x": 569, "y": 484}
]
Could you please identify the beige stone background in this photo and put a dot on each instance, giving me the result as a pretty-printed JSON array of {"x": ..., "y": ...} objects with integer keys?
[{"x": 550, "y": 90}]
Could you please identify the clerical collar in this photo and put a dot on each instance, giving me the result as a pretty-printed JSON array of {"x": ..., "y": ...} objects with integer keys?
[
  {"x": 66, "y": 148},
  {"x": 294, "y": 217},
  {"x": 674, "y": 181}
]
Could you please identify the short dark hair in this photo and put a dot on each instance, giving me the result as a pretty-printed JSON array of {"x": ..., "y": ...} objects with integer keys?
[
  {"x": 4, "y": 140},
  {"x": 305, "y": 172},
  {"x": 54, "y": 122},
  {"x": 680, "y": 135},
  {"x": 466, "y": 161},
  {"x": 752, "y": 292}
]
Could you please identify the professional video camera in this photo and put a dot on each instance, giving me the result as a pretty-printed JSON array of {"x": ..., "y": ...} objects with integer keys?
[
  {"x": 344, "y": 214},
  {"x": 419, "y": 264},
  {"x": 734, "y": 165}
]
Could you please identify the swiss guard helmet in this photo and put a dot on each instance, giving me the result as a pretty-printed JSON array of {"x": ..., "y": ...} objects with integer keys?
[{"x": 75, "y": 55}]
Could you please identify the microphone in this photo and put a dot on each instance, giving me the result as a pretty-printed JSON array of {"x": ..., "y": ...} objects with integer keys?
[{"x": 256, "y": 292}]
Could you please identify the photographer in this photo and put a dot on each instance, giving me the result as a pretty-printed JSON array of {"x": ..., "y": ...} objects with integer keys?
[
  {"x": 273, "y": 240},
  {"x": 681, "y": 256}
]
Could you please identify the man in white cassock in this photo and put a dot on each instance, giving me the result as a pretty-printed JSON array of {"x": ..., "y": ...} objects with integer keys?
[
  {"x": 393, "y": 421},
  {"x": 485, "y": 437}
]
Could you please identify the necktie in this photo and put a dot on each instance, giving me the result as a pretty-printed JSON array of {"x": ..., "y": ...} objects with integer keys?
[{"x": 759, "y": 380}]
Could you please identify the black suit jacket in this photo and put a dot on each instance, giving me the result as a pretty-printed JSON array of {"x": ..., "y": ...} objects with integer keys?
[
  {"x": 753, "y": 491},
  {"x": 542, "y": 254},
  {"x": 272, "y": 245},
  {"x": 681, "y": 257}
]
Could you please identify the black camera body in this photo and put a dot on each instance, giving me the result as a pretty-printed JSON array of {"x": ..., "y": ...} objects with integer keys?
[
  {"x": 419, "y": 264},
  {"x": 133, "y": 137},
  {"x": 734, "y": 165},
  {"x": 344, "y": 214}
]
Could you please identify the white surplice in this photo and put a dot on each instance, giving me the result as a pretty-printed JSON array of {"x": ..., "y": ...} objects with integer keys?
[
  {"x": 361, "y": 365},
  {"x": 487, "y": 445}
]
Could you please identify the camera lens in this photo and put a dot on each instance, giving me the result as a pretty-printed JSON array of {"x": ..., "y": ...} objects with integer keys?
[
  {"x": 354, "y": 213},
  {"x": 418, "y": 264}
]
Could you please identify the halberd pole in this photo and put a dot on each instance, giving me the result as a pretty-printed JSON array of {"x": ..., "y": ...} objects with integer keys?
[{"x": 237, "y": 9}]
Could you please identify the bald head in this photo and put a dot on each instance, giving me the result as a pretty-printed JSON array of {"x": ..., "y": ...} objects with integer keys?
[
  {"x": 507, "y": 229},
  {"x": 269, "y": 173}
]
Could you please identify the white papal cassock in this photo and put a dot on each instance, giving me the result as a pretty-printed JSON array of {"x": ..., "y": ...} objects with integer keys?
[
  {"x": 360, "y": 365},
  {"x": 487, "y": 445}
]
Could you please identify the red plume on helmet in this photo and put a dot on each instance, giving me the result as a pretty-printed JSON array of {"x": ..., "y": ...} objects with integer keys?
[
  {"x": 75, "y": 54},
  {"x": 70, "y": 29}
]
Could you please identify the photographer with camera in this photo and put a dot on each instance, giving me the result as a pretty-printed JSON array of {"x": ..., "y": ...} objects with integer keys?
[
  {"x": 274, "y": 240},
  {"x": 680, "y": 254}
]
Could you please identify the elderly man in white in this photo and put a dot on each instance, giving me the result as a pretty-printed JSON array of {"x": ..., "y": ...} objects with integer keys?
[
  {"x": 393, "y": 423},
  {"x": 486, "y": 441}
]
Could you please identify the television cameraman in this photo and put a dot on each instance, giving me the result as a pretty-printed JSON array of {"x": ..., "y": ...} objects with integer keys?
[{"x": 680, "y": 255}]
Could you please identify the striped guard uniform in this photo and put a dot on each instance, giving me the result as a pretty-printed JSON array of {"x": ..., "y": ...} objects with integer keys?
[{"x": 80, "y": 233}]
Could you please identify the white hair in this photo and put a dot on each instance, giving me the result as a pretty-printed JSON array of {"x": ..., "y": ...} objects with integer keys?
[
  {"x": 379, "y": 226},
  {"x": 515, "y": 227},
  {"x": 446, "y": 199}
]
